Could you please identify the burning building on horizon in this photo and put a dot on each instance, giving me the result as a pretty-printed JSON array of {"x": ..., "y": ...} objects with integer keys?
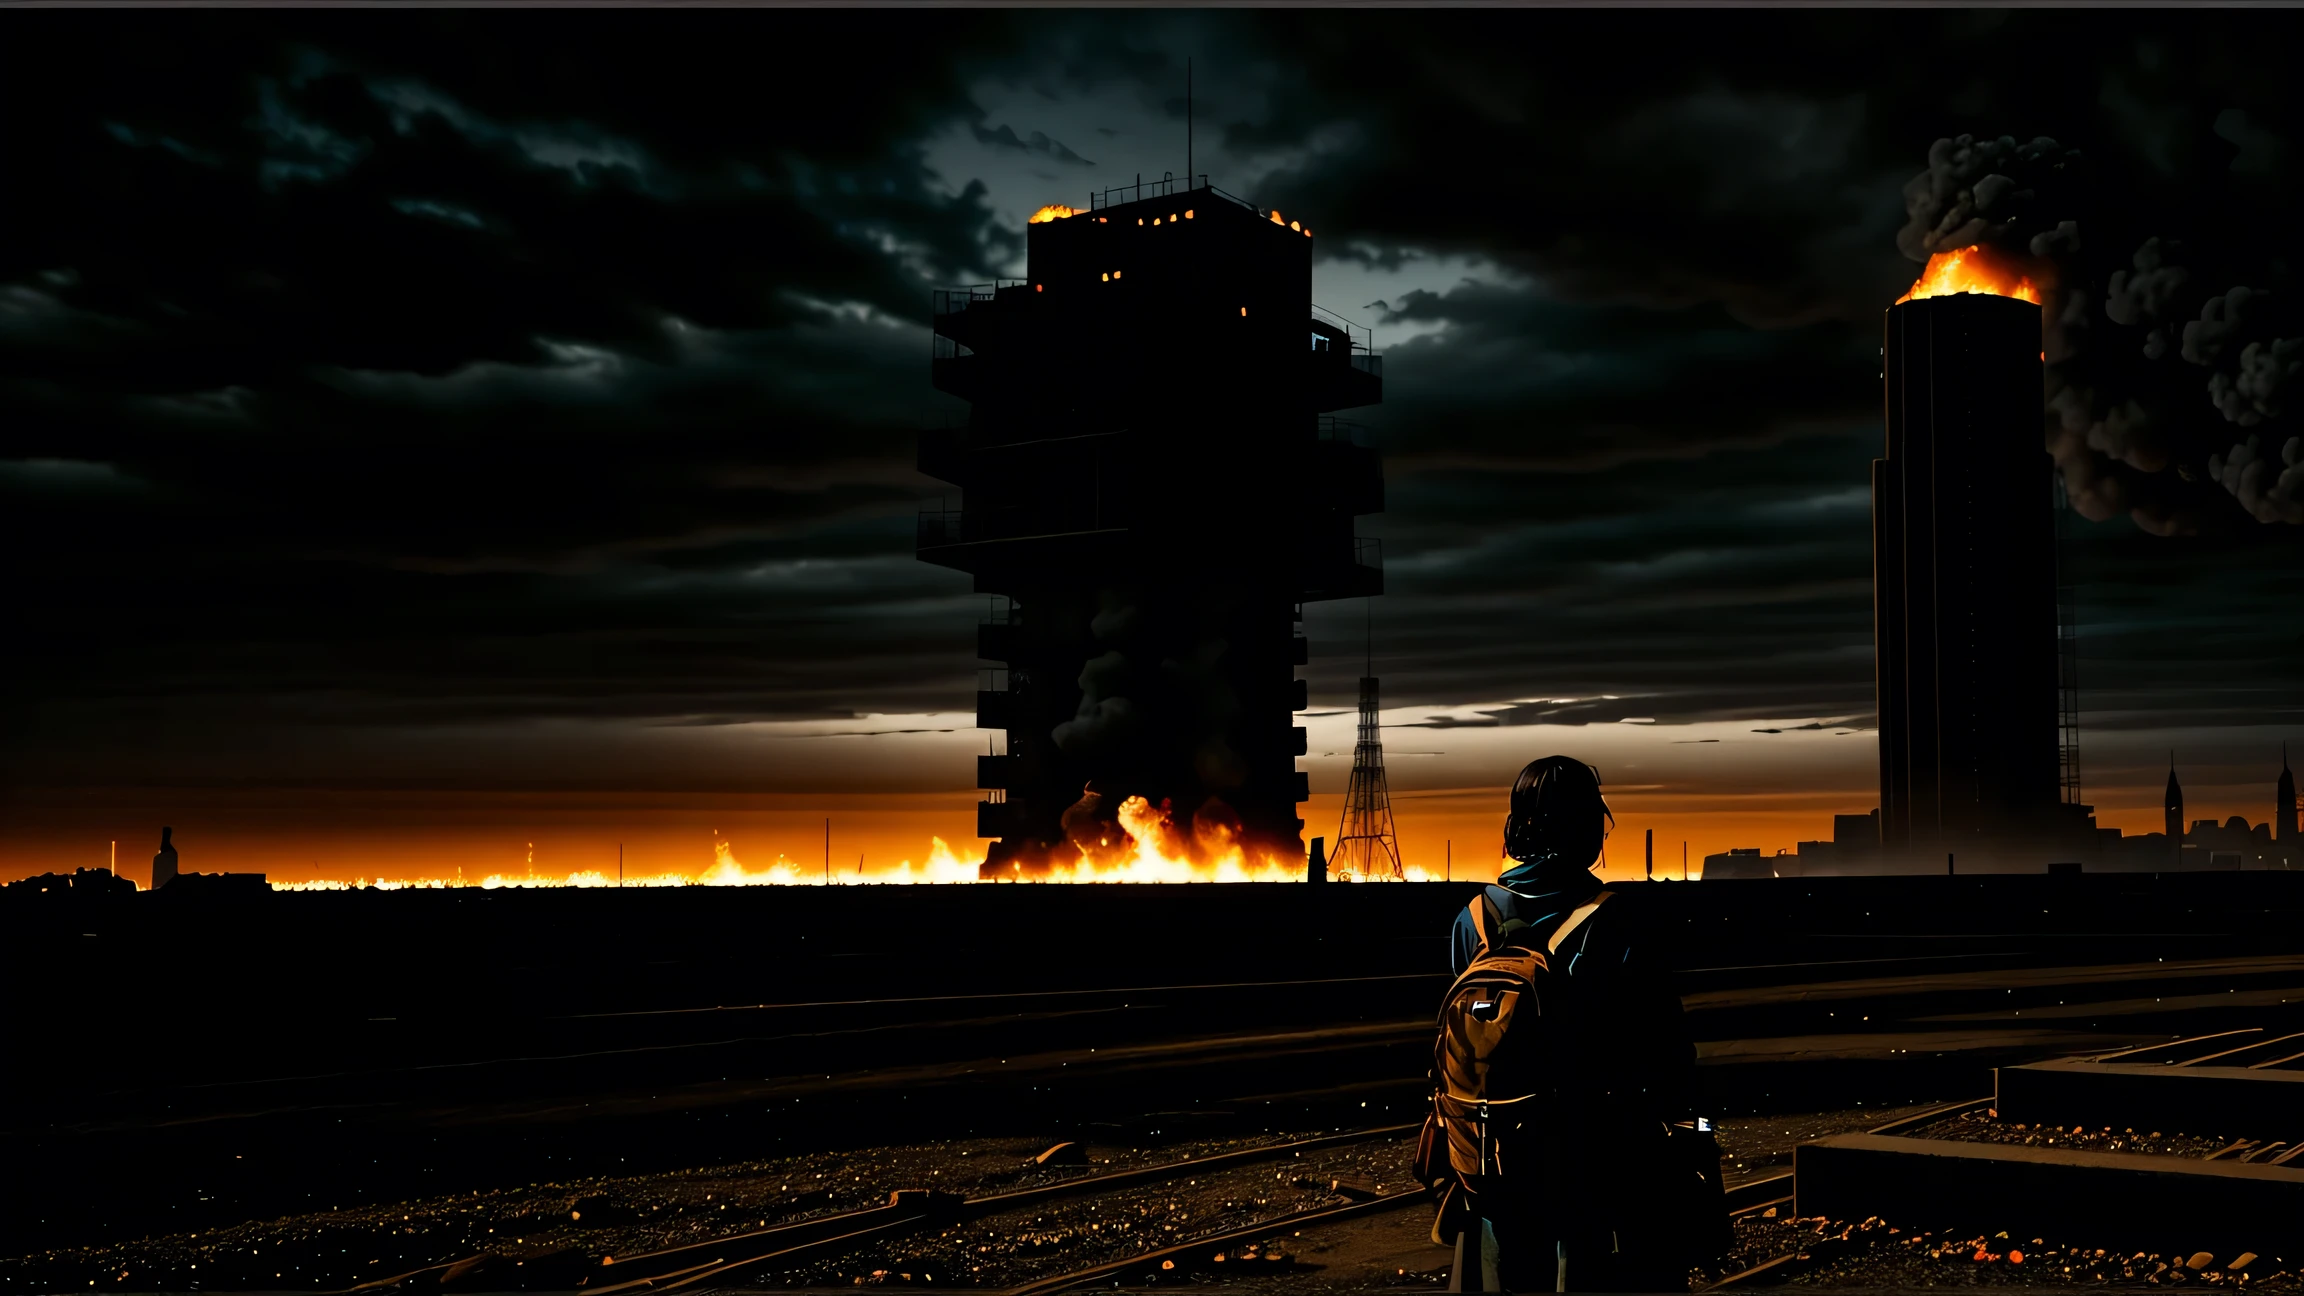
[
  {"x": 1153, "y": 484},
  {"x": 1965, "y": 580}
]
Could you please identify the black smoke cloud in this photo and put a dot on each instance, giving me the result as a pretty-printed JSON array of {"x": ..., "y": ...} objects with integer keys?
[
  {"x": 1981, "y": 191},
  {"x": 2133, "y": 435}
]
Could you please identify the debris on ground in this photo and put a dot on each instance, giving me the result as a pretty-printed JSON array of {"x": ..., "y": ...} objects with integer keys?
[
  {"x": 1982, "y": 1127},
  {"x": 1873, "y": 1253},
  {"x": 513, "y": 1229}
]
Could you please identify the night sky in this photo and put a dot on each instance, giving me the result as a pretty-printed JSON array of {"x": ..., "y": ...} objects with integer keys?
[{"x": 427, "y": 434}]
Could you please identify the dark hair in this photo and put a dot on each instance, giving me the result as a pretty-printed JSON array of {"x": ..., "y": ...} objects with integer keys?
[{"x": 1557, "y": 814}]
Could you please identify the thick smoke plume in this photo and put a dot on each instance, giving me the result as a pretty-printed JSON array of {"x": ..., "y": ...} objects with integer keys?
[
  {"x": 1155, "y": 710},
  {"x": 1977, "y": 191},
  {"x": 2152, "y": 369},
  {"x": 2154, "y": 295}
]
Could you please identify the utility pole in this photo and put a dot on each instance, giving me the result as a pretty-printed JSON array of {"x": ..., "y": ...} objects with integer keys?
[
  {"x": 1448, "y": 865},
  {"x": 827, "y": 850},
  {"x": 619, "y": 865},
  {"x": 1651, "y": 854},
  {"x": 1683, "y": 861}
]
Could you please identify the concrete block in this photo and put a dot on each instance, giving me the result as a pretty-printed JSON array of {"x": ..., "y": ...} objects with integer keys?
[
  {"x": 2093, "y": 1198},
  {"x": 2204, "y": 1100}
]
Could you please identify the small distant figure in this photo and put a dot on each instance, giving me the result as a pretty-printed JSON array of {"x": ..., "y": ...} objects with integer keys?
[
  {"x": 1564, "y": 1129},
  {"x": 164, "y": 863}
]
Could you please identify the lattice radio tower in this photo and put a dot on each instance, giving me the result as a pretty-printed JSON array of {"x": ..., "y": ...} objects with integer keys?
[{"x": 1366, "y": 845}]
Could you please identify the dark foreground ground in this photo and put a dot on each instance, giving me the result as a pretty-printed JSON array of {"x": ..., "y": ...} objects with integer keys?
[{"x": 313, "y": 1064}]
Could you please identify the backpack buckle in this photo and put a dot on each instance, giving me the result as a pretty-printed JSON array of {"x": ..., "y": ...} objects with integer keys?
[{"x": 1487, "y": 1143}]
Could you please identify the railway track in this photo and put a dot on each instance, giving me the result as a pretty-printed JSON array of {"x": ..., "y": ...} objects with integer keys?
[
  {"x": 698, "y": 1267},
  {"x": 1744, "y": 1198},
  {"x": 689, "y": 1267}
]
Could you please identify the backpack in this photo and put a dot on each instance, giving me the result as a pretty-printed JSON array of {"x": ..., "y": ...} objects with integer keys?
[
  {"x": 1492, "y": 1062},
  {"x": 1495, "y": 1121}
]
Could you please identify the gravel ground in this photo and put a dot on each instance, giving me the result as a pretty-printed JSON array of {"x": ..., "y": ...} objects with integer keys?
[
  {"x": 1875, "y": 1255},
  {"x": 1056, "y": 1237},
  {"x": 1060, "y": 1236},
  {"x": 1985, "y": 1127},
  {"x": 1753, "y": 1146},
  {"x": 577, "y": 1219}
]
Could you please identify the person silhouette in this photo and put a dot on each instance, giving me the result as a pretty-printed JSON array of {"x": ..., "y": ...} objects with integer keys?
[
  {"x": 1621, "y": 1210},
  {"x": 164, "y": 863}
]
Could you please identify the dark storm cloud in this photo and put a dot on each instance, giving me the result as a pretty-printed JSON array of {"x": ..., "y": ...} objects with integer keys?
[
  {"x": 1675, "y": 178},
  {"x": 1741, "y": 214},
  {"x": 1734, "y": 584},
  {"x": 1516, "y": 377},
  {"x": 428, "y": 386},
  {"x": 364, "y": 369},
  {"x": 1038, "y": 143}
]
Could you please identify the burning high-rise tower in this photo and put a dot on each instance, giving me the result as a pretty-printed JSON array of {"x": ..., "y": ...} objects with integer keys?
[
  {"x": 1153, "y": 478},
  {"x": 1964, "y": 580}
]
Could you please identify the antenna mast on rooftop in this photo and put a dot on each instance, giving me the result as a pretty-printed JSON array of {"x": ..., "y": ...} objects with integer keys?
[{"x": 1367, "y": 847}]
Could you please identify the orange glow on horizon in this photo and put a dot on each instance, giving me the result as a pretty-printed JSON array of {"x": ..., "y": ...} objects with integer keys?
[
  {"x": 482, "y": 839},
  {"x": 1972, "y": 270}
]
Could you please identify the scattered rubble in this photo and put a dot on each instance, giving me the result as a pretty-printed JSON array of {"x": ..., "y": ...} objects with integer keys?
[
  {"x": 1051, "y": 1238},
  {"x": 1873, "y": 1253},
  {"x": 592, "y": 1218},
  {"x": 1755, "y": 1146},
  {"x": 1985, "y": 1126}
]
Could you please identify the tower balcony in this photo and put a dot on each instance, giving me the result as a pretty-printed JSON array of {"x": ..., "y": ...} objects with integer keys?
[
  {"x": 1338, "y": 379},
  {"x": 995, "y": 709},
  {"x": 961, "y": 314},
  {"x": 996, "y": 816},
  {"x": 965, "y": 540},
  {"x": 1337, "y": 571},
  {"x": 1333, "y": 377},
  {"x": 943, "y": 449},
  {"x": 1345, "y": 371},
  {"x": 956, "y": 370},
  {"x": 1347, "y": 473},
  {"x": 992, "y": 772}
]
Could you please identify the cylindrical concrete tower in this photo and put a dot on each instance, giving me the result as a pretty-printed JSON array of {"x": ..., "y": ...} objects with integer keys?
[{"x": 1964, "y": 581}]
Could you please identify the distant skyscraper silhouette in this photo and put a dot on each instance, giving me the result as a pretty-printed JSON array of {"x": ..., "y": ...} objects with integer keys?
[
  {"x": 2285, "y": 828},
  {"x": 164, "y": 863},
  {"x": 1964, "y": 581},
  {"x": 2172, "y": 813},
  {"x": 1366, "y": 845}
]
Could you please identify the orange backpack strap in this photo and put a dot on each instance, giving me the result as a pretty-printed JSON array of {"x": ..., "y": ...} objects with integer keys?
[
  {"x": 1490, "y": 925},
  {"x": 1484, "y": 917},
  {"x": 1575, "y": 920}
]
